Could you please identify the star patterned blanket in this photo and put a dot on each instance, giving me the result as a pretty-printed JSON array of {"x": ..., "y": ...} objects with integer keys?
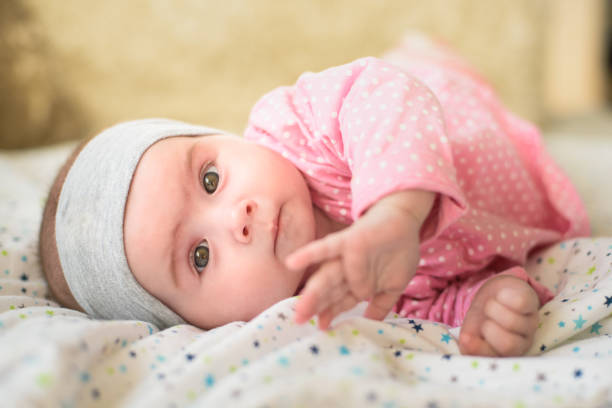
[{"x": 52, "y": 356}]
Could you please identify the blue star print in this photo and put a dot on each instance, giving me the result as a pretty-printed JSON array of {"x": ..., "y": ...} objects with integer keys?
[
  {"x": 445, "y": 338},
  {"x": 608, "y": 301},
  {"x": 579, "y": 322},
  {"x": 209, "y": 380},
  {"x": 595, "y": 328}
]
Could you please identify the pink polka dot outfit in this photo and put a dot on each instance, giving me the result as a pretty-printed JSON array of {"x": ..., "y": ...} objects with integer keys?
[{"x": 366, "y": 129}]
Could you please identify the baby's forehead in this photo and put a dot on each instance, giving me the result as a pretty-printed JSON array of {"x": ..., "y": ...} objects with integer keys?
[
  {"x": 186, "y": 141},
  {"x": 161, "y": 178},
  {"x": 171, "y": 162}
]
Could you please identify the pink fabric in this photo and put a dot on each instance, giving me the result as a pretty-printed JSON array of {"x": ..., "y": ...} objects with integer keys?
[{"x": 366, "y": 129}]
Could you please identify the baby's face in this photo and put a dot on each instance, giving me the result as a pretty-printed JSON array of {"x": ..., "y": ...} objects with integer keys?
[{"x": 209, "y": 221}]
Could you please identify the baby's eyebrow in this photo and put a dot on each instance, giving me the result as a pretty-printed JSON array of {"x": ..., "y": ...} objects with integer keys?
[{"x": 184, "y": 181}]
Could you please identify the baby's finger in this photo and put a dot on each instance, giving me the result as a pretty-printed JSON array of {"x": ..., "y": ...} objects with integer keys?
[
  {"x": 505, "y": 343},
  {"x": 361, "y": 282},
  {"x": 316, "y": 293},
  {"x": 471, "y": 341},
  {"x": 471, "y": 344},
  {"x": 510, "y": 319},
  {"x": 325, "y": 319},
  {"x": 315, "y": 252},
  {"x": 334, "y": 295},
  {"x": 517, "y": 300},
  {"x": 346, "y": 303},
  {"x": 380, "y": 305}
]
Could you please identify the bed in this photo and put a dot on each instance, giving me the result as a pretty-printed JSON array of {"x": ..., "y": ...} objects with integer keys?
[{"x": 52, "y": 356}]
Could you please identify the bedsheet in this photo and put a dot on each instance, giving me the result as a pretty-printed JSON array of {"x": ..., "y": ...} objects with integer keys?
[{"x": 52, "y": 356}]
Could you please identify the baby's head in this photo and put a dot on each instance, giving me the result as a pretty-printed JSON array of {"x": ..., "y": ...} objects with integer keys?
[{"x": 168, "y": 222}]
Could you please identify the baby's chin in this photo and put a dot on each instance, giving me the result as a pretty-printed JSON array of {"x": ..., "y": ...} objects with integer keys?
[{"x": 296, "y": 227}]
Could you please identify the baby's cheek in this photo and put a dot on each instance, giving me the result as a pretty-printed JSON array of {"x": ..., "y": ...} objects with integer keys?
[{"x": 260, "y": 294}]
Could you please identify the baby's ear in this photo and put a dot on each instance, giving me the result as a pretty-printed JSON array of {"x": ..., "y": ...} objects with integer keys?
[{"x": 51, "y": 265}]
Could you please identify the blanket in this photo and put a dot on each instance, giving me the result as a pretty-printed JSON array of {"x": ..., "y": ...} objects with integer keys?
[{"x": 53, "y": 356}]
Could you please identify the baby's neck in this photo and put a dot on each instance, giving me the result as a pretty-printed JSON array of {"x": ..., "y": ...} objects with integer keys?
[{"x": 324, "y": 224}]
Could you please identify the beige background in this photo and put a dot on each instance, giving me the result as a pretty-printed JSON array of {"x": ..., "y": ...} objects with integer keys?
[{"x": 71, "y": 67}]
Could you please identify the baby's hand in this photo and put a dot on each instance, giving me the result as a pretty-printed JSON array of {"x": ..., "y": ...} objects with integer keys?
[{"x": 373, "y": 259}]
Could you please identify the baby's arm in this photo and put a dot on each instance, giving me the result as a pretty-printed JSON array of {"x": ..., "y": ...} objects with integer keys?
[
  {"x": 381, "y": 131},
  {"x": 373, "y": 259}
]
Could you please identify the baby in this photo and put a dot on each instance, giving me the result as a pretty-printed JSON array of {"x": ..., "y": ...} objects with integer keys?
[{"x": 408, "y": 187}]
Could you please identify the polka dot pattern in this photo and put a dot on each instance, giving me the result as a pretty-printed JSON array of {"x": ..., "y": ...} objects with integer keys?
[{"x": 366, "y": 129}]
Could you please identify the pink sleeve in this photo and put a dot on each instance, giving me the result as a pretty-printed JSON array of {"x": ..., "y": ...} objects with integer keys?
[
  {"x": 395, "y": 139},
  {"x": 374, "y": 125}
]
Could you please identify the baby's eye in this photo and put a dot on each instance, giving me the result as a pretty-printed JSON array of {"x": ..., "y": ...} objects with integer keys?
[
  {"x": 210, "y": 179},
  {"x": 200, "y": 256}
]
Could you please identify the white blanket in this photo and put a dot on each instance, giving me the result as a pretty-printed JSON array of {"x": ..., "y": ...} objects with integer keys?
[{"x": 52, "y": 356}]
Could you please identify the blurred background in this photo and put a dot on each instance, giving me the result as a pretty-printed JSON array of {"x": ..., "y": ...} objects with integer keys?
[{"x": 70, "y": 68}]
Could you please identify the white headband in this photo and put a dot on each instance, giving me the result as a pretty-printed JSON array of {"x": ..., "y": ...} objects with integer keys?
[{"x": 89, "y": 221}]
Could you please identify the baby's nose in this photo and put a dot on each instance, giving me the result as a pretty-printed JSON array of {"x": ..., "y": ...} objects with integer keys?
[{"x": 242, "y": 220}]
